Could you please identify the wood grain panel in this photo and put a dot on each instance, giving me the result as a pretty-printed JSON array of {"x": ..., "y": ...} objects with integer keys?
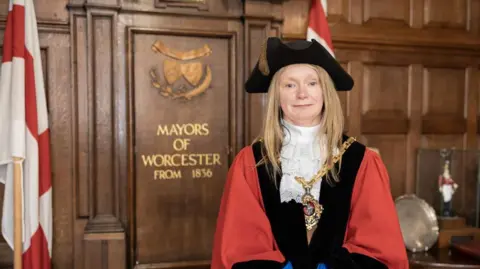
[
  {"x": 103, "y": 167},
  {"x": 270, "y": 11},
  {"x": 393, "y": 151},
  {"x": 199, "y": 5},
  {"x": 79, "y": 27},
  {"x": 77, "y": 2},
  {"x": 393, "y": 10},
  {"x": 472, "y": 85},
  {"x": 177, "y": 203},
  {"x": 398, "y": 55},
  {"x": 415, "y": 87},
  {"x": 440, "y": 115},
  {"x": 78, "y": 246},
  {"x": 356, "y": 12},
  {"x": 355, "y": 96},
  {"x": 385, "y": 104},
  {"x": 474, "y": 18},
  {"x": 59, "y": 98},
  {"x": 446, "y": 13},
  {"x": 202, "y": 8},
  {"x": 6, "y": 253},
  {"x": 102, "y": 2},
  {"x": 297, "y": 13},
  {"x": 336, "y": 10},
  {"x": 444, "y": 83},
  {"x": 4, "y": 9},
  {"x": 104, "y": 251},
  {"x": 416, "y": 14},
  {"x": 424, "y": 23},
  {"x": 102, "y": 105},
  {"x": 435, "y": 141}
]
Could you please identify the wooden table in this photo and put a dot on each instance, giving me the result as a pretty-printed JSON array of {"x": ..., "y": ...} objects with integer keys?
[{"x": 442, "y": 258}]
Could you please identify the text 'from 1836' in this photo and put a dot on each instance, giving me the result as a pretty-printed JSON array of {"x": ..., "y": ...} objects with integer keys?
[{"x": 182, "y": 163}]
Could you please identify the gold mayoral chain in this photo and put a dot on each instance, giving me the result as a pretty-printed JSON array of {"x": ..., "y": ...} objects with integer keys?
[{"x": 312, "y": 209}]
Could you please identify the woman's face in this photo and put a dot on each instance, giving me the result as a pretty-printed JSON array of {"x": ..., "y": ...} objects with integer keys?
[{"x": 301, "y": 97}]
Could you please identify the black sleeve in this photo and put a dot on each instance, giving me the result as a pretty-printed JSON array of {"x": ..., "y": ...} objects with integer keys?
[
  {"x": 259, "y": 264},
  {"x": 288, "y": 226},
  {"x": 342, "y": 259}
]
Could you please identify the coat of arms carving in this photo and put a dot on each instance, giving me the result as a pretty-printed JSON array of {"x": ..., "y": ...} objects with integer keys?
[{"x": 182, "y": 64}]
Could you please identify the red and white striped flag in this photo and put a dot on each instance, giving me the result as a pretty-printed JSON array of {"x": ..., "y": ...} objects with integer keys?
[
  {"x": 318, "y": 25},
  {"x": 24, "y": 133}
]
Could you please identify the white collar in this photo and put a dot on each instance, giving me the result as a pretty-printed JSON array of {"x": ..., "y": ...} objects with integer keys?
[
  {"x": 299, "y": 134},
  {"x": 297, "y": 138}
]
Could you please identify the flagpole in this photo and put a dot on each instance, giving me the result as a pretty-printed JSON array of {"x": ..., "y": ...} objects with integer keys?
[{"x": 17, "y": 201}]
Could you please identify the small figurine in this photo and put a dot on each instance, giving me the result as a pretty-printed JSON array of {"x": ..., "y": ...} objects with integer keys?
[{"x": 447, "y": 187}]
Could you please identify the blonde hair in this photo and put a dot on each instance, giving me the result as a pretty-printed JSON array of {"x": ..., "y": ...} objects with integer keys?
[{"x": 332, "y": 123}]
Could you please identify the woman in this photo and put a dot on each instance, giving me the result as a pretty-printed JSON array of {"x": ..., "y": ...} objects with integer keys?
[{"x": 304, "y": 195}]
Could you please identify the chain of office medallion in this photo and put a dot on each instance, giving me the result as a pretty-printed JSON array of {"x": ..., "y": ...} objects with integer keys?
[{"x": 325, "y": 168}]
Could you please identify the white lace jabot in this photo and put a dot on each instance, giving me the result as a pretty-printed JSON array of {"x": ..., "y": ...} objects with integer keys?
[{"x": 301, "y": 155}]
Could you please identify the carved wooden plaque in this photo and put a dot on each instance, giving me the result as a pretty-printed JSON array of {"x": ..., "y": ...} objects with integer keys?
[{"x": 181, "y": 127}]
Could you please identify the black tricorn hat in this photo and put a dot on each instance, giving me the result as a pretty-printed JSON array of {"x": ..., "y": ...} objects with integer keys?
[{"x": 276, "y": 54}]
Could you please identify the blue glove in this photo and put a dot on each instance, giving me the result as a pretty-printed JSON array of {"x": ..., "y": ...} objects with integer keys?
[
  {"x": 288, "y": 266},
  {"x": 321, "y": 266}
]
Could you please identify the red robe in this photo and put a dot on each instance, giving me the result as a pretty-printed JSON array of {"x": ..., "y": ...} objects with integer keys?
[{"x": 244, "y": 232}]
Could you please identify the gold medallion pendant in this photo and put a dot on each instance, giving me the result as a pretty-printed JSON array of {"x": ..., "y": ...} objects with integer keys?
[{"x": 312, "y": 210}]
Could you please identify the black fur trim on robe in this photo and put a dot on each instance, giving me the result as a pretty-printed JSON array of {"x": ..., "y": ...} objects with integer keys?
[
  {"x": 259, "y": 264},
  {"x": 287, "y": 220},
  {"x": 343, "y": 259}
]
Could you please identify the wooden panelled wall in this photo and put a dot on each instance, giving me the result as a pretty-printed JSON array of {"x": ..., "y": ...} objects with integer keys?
[{"x": 415, "y": 64}]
